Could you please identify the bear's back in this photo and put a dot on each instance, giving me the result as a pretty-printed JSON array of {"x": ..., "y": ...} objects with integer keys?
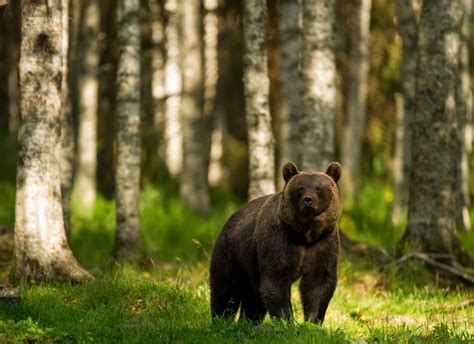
[{"x": 238, "y": 232}]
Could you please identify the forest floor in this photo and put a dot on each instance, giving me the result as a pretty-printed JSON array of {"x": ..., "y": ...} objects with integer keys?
[
  {"x": 166, "y": 299},
  {"x": 169, "y": 302}
]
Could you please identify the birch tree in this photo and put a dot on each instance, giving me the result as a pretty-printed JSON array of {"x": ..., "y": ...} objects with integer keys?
[
  {"x": 157, "y": 61},
  {"x": 85, "y": 183},
  {"x": 318, "y": 70},
  {"x": 431, "y": 213},
  {"x": 407, "y": 24},
  {"x": 41, "y": 248},
  {"x": 128, "y": 242},
  {"x": 289, "y": 26},
  {"x": 67, "y": 129},
  {"x": 464, "y": 112},
  {"x": 173, "y": 134},
  {"x": 211, "y": 71},
  {"x": 193, "y": 182},
  {"x": 256, "y": 90},
  {"x": 13, "y": 48},
  {"x": 356, "y": 106}
]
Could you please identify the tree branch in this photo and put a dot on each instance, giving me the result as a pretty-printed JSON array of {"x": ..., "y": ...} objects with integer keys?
[{"x": 429, "y": 260}]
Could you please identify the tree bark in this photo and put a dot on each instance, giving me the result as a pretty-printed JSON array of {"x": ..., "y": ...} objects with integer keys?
[
  {"x": 193, "y": 182},
  {"x": 356, "y": 106},
  {"x": 210, "y": 42},
  {"x": 210, "y": 56},
  {"x": 4, "y": 73},
  {"x": 41, "y": 248},
  {"x": 67, "y": 129},
  {"x": 157, "y": 62},
  {"x": 318, "y": 70},
  {"x": 85, "y": 184},
  {"x": 213, "y": 116},
  {"x": 464, "y": 112},
  {"x": 106, "y": 154},
  {"x": 407, "y": 23},
  {"x": 13, "y": 46},
  {"x": 228, "y": 30},
  {"x": 217, "y": 172},
  {"x": 128, "y": 242},
  {"x": 289, "y": 21},
  {"x": 431, "y": 213},
  {"x": 257, "y": 89},
  {"x": 173, "y": 132}
]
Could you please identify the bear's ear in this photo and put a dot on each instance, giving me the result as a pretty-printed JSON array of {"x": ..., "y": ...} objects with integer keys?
[
  {"x": 289, "y": 170},
  {"x": 334, "y": 171}
]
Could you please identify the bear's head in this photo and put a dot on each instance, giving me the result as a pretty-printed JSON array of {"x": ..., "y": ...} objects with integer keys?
[{"x": 311, "y": 201}]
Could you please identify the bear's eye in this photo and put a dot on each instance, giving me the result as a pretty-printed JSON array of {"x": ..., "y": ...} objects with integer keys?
[
  {"x": 300, "y": 190},
  {"x": 319, "y": 191}
]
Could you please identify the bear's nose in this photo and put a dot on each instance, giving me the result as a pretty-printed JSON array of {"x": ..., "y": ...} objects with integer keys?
[{"x": 308, "y": 201}]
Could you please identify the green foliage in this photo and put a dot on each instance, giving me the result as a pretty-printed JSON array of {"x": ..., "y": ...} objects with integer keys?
[
  {"x": 467, "y": 239},
  {"x": 28, "y": 331},
  {"x": 369, "y": 219},
  {"x": 7, "y": 203},
  {"x": 93, "y": 236},
  {"x": 169, "y": 230}
]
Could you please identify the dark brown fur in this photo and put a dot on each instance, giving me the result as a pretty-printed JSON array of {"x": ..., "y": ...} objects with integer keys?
[{"x": 272, "y": 241}]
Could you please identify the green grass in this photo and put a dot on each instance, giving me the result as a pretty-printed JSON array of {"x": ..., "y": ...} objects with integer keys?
[
  {"x": 170, "y": 303},
  {"x": 167, "y": 298}
]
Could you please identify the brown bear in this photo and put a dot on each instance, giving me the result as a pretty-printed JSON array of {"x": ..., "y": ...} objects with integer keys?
[{"x": 272, "y": 241}]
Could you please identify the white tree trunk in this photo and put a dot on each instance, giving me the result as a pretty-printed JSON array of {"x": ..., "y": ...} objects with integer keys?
[
  {"x": 399, "y": 157},
  {"x": 41, "y": 248},
  {"x": 210, "y": 55},
  {"x": 356, "y": 99},
  {"x": 217, "y": 173},
  {"x": 157, "y": 62},
  {"x": 211, "y": 71},
  {"x": 127, "y": 171},
  {"x": 173, "y": 133},
  {"x": 464, "y": 111},
  {"x": 85, "y": 184},
  {"x": 193, "y": 182},
  {"x": 67, "y": 129},
  {"x": 257, "y": 89},
  {"x": 318, "y": 70},
  {"x": 289, "y": 25}
]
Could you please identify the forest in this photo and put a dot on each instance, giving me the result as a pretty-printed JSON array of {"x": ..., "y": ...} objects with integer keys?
[{"x": 132, "y": 130}]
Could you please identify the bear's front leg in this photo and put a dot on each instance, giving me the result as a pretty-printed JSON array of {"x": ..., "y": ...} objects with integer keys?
[
  {"x": 275, "y": 294},
  {"x": 315, "y": 296},
  {"x": 319, "y": 279}
]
